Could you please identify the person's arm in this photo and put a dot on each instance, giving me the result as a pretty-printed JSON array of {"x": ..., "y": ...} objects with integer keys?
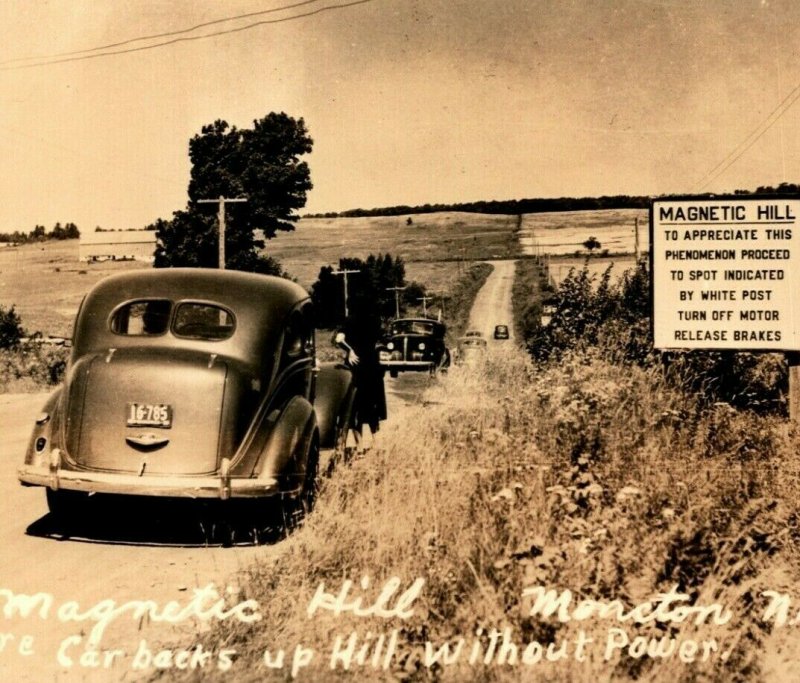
[{"x": 341, "y": 342}]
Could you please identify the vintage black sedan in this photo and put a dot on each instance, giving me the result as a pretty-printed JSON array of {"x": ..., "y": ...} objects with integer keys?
[
  {"x": 414, "y": 344},
  {"x": 190, "y": 383}
]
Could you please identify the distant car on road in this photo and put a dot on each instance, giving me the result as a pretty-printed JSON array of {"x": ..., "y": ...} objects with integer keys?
[
  {"x": 190, "y": 383},
  {"x": 501, "y": 332},
  {"x": 473, "y": 333},
  {"x": 414, "y": 344},
  {"x": 471, "y": 350}
]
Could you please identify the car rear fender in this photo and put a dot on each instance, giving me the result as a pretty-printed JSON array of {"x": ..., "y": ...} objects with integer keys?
[
  {"x": 283, "y": 456},
  {"x": 46, "y": 432},
  {"x": 333, "y": 400}
]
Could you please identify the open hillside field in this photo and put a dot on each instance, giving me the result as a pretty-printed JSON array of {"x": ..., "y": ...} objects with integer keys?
[
  {"x": 563, "y": 233},
  {"x": 445, "y": 236},
  {"x": 46, "y": 281}
]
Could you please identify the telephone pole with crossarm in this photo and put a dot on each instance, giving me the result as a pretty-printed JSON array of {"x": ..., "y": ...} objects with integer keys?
[{"x": 221, "y": 217}]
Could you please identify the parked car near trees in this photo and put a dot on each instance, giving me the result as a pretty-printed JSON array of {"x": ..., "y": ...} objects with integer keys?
[
  {"x": 414, "y": 344},
  {"x": 190, "y": 383}
]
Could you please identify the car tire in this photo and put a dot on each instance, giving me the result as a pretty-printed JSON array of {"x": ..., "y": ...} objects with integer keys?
[
  {"x": 308, "y": 496},
  {"x": 292, "y": 511}
]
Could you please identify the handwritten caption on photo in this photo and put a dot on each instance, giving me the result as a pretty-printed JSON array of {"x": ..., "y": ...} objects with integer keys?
[{"x": 498, "y": 646}]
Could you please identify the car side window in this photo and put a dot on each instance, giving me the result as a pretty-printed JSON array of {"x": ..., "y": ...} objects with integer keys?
[{"x": 146, "y": 318}]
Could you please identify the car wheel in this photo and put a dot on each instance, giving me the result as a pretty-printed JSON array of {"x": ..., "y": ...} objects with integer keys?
[
  {"x": 66, "y": 504},
  {"x": 292, "y": 511},
  {"x": 308, "y": 497}
]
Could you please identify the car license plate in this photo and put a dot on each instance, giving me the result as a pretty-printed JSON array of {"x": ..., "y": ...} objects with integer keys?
[{"x": 149, "y": 415}]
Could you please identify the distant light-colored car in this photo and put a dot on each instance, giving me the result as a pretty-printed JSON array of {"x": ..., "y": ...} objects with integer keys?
[
  {"x": 471, "y": 350},
  {"x": 501, "y": 332},
  {"x": 190, "y": 383}
]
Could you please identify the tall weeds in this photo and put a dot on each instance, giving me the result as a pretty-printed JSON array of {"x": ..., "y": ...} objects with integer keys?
[{"x": 582, "y": 475}]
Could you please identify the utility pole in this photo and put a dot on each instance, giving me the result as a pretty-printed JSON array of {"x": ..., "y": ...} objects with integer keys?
[
  {"x": 344, "y": 274},
  {"x": 397, "y": 291},
  {"x": 221, "y": 217},
  {"x": 425, "y": 300},
  {"x": 636, "y": 238},
  {"x": 441, "y": 296}
]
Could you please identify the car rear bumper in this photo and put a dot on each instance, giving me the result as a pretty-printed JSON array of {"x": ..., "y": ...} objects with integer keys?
[{"x": 212, "y": 486}]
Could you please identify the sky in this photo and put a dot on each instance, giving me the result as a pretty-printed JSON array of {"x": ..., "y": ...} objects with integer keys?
[{"x": 407, "y": 101}]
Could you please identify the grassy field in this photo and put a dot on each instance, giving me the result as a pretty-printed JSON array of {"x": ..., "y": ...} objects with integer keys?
[
  {"x": 431, "y": 246},
  {"x": 563, "y": 233},
  {"x": 46, "y": 282}
]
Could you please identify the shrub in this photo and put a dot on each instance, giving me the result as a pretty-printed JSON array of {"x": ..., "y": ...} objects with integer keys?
[
  {"x": 32, "y": 367},
  {"x": 11, "y": 331},
  {"x": 592, "y": 312}
]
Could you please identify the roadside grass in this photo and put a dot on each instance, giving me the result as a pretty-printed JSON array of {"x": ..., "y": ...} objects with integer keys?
[
  {"x": 529, "y": 290},
  {"x": 460, "y": 297},
  {"x": 580, "y": 475}
]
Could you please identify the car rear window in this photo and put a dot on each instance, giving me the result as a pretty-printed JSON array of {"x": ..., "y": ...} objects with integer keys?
[
  {"x": 202, "y": 321},
  {"x": 147, "y": 317}
]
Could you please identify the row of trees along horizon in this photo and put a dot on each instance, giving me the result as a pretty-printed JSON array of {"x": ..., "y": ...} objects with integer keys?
[{"x": 68, "y": 231}]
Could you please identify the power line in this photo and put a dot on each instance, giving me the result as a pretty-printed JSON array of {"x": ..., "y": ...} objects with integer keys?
[
  {"x": 160, "y": 35},
  {"x": 747, "y": 143},
  {"x": 187, "y": 39}
]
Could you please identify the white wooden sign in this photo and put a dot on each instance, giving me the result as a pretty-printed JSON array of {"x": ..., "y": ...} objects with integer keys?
[{"x": 726, "y": 273}]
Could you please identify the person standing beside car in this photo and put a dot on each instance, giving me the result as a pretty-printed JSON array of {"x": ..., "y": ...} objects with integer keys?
[{"x": 359, "y": 338}]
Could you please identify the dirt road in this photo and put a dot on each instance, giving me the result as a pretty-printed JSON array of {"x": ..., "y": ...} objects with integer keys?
[
  {"x": 493, "y": 304},
  {"x": 140, "y": 562}
]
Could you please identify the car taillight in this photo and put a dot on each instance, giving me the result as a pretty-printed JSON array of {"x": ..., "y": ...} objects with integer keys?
[{"x": 390, "y": 346}]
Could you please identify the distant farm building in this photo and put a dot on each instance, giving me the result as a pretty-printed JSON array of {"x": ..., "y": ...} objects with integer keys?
[{"x": 122, "y": 245}]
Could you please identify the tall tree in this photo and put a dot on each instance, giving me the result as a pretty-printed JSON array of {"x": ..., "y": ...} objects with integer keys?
[{"x": 262, "y": 164}]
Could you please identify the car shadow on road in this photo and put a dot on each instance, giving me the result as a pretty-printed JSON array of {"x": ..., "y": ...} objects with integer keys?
[{"x": 173, "y": 523}]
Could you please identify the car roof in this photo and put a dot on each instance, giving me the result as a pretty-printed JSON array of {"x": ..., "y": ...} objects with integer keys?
[{"x": 260, "y": 305}]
